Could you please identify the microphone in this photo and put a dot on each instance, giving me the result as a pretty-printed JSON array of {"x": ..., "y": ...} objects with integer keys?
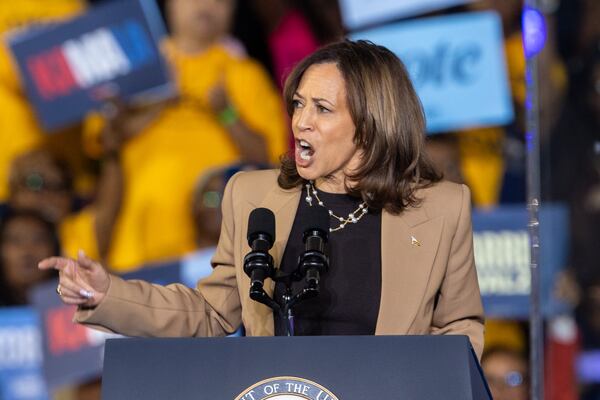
[
  {"x": 258, "y": 264},
  {"x": 313, "y": 261}
]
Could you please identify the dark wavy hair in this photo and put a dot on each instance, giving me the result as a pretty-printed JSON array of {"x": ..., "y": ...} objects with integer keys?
[{"x": 389, "y": 121}]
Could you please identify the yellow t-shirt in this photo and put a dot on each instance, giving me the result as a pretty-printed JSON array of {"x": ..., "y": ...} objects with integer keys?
[
  {"x": 482, "y": 163},
  {"x": 77, "y": 232},
  {"x": 23, "y": 13},
  {"x": 162, "y": 163}
]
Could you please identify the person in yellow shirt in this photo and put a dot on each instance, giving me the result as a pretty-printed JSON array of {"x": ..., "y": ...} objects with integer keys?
[{"x": 227, "y": 110}]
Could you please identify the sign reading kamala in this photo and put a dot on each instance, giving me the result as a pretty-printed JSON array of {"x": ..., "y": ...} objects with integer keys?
[
  {"x": 459, "y": 76},
  {"x": 20, "y": 355},
  {"x": 358, "y": 13},
  {"x": 286, "y": 388},
  {"x": 114, "y": 44}
]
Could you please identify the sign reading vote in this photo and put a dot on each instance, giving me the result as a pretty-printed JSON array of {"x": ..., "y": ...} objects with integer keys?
[
  {"x": 21, "y": 355},
  {"x": 115, "y": 43},
  {"x": 457, "y": 66},
  {"x": 358, "y": 13}
]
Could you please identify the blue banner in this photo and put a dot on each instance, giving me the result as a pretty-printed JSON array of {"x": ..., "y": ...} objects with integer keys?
[
  {"x": 116, "y": 44},
  {"x": 21, "y": 355},
  {"x": 502, "y": 256},
  {"x": 459, "y": 76}
]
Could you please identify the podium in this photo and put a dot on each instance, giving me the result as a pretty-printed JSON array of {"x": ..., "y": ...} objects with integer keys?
[{"x": 293, "y": 368}]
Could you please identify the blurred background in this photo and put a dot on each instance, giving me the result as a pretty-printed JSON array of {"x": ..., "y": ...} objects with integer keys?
[{"x": 125, "y": 156}]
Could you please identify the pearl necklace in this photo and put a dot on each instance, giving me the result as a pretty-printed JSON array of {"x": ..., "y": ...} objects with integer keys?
[{"x": 352, "y": 217}]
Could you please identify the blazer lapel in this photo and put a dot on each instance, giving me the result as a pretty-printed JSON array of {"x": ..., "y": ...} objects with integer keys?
[
  {"x": 409, "y": 244},
  {"x": 284, "y": 204}
]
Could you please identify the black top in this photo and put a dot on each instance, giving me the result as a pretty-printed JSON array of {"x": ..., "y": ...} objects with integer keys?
[{"x": 348, "y": 302}]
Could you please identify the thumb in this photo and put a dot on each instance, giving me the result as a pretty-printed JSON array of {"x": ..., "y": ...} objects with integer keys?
[
  {"x": 85, "y": 262},
  {"x": 96, "y": 277}
]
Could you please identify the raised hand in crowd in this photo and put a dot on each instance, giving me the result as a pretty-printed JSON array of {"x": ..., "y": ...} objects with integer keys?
[
  {"x": 123, "y": 121},
  {"x": 251, "y": 145}
]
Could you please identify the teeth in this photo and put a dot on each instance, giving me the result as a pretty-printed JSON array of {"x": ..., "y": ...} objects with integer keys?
[
  {"x": 304, "y": 144},
  {"x": 305, "y": 154}
]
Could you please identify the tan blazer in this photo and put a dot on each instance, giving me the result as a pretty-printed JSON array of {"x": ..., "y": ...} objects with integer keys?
[{"x": 429, "y": 281}]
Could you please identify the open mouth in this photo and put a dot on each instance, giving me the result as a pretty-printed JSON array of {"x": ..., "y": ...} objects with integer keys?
[{"x": 306, "y": 150}]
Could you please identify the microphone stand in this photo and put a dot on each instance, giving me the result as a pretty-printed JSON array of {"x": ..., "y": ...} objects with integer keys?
[
  {"x": 310, "y": 265},
  {"x": 290, "y": 300}
]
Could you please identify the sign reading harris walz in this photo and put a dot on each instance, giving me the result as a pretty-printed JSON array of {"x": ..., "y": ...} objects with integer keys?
[
  {"x": 502, "y": 256},
  {"x": 62, "y": 66},
  {"x": 456, "y": 63}
]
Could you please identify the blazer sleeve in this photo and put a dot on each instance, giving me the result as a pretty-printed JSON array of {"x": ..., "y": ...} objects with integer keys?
[
  {"x": 459, "y": 310},
  {"x": 139, "y": 308}
]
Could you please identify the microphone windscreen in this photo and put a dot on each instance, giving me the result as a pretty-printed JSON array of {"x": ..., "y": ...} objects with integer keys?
[
  {"x": 317, "y": 218},
  {"x": 261, "y": 221}
]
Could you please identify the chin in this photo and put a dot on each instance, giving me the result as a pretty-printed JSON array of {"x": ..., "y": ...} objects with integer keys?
[{"x": 308, "y": 173}]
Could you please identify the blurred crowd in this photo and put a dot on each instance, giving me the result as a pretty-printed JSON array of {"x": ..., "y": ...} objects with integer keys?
[{"x": 137, "y": 185}]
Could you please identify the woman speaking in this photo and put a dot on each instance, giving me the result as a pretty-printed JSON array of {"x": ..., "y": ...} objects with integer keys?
[{"x": 401, "y": 245}]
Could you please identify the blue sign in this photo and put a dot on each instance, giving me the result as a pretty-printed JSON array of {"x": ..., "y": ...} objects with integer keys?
[
  {"x": 72, "y": 352},
  {"x": 457, "y": 66},
  {"x": 21, "y": 355},
  {"x": 113, "y": 45},
  {"x": 502, "y": 256},
  {"x": 360, "y": 13}
]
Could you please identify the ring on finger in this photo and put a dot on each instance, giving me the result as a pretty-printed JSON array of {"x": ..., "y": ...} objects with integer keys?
[{"x": 59, "y": 290}]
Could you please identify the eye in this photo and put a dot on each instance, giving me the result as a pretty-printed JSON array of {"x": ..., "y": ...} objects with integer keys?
[
  {"x": 323, "y": 109},
  {"x": 296, "y": 103}
]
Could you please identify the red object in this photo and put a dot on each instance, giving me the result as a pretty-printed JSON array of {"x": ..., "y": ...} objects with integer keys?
[
  {"x": 64, "y": 336},
  {"x": 51, "y": 73},
  {"x": 562, "y": 347}
]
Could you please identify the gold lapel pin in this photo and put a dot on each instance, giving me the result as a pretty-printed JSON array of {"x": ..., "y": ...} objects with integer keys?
[{"x": 414, "y": 241}]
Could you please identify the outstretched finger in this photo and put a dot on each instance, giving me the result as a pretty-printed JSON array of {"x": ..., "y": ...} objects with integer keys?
[{"x": 57, "y": 263}]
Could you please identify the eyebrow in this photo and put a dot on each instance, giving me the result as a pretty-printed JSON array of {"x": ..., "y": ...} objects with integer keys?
[{"x": 315, "y": 99}]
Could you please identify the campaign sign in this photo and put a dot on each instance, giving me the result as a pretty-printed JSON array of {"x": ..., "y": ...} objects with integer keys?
[
  {"x": 72, "y": 352},
  {"x": 359, "y": 13},
  {"x": 21, "y": 355},
  {"x": 115, "y": 43},
  {"x": 502, "y": 256},
  {"x": 457, "y": 66}
]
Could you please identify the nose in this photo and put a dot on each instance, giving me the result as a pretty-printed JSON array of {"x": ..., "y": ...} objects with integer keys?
[{"x": 303, "y": 119}]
